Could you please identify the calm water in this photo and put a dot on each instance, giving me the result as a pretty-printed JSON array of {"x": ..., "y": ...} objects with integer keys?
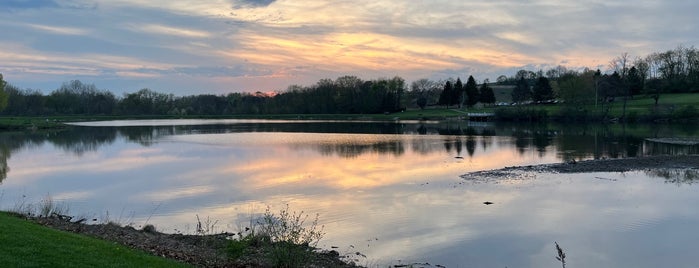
[{"x": 391, "y": 191}]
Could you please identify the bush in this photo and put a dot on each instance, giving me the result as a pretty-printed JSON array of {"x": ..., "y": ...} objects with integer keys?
[
  {"x": 290, "y": 227},
  {"x": 238, "y": 247},
  {"x": 287, "y": 238}
]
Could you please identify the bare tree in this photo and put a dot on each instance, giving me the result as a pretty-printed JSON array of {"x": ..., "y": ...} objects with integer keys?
[
  {"x": 424, "y": 92},
  {"x": 643, "y": 67},
  {"x": 619, "y": 64},
  {"x": 653, "y": 61}
]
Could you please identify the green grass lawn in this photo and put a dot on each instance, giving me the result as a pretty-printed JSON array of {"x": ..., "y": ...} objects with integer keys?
[
  {"x": 27, "y": 244},
  {"x": 640, "y": 105}
]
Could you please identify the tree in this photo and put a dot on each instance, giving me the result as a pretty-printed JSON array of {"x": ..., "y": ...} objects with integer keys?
[
  {"x": 424, "y": 92},
  {"x": 3, "y": 94},
  {"x": 617, "y": 87},
  {"x": 73, "y": 97},
  {"x": 528, "y": 75},
  {"x": 620, "y": 64},
  {"x": 347, "y": 95},
  {"x": 634, "y": 80},
  {"x": 577, "y": 89},
  {"x": 471, "y": 89},
  {"x": 521, "y": 92},
  {"x": 542, "y": 90},
  {"x": 487, "y": 96},
  {"x": 445, "y": 97},
  {"x": 458, "y": 95},
  {"x": 643, "y": 68},
  {"x": 396, "y": 88},
  {"x": 146, "y": 101},
  {"x": 556, "y": 72}
]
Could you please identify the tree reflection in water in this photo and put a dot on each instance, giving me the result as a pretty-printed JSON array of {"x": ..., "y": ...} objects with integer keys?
[
  {"x": 675, "y": 176},
  {"x": 568, "y": 142}
]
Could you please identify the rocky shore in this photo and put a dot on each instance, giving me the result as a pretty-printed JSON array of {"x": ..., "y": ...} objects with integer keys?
[{"x": 197, "y": 250}]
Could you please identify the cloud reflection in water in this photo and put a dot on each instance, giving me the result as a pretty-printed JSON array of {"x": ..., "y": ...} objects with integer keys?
[{"x": 390, "y": 196}]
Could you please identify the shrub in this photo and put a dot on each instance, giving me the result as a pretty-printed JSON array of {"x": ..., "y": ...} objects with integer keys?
[
  {"x": 287, "y": 238},
  {"x": 290, "y": 227},
  {"x": 238, "y": 247},
  {"x": 149, "y": 228}
]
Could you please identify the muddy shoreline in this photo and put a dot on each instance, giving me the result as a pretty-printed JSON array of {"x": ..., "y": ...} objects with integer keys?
[{"x": 597, "y": 165}]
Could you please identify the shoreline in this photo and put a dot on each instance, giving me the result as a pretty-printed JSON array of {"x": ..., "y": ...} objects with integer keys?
[
  {"x": 198, "y": 250},
  {"x": 597, "y": 165}
]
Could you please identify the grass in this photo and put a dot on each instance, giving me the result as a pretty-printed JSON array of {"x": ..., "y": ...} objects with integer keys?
[
  {"x": 27, "y": 244},
  {"x": 286, "y": 239},
  {"x": 28, "y": 123},
  {"x": 681, "y": 106}
]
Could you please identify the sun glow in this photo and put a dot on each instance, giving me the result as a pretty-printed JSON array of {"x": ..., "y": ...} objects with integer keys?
[{"x": 351, "y": 51}]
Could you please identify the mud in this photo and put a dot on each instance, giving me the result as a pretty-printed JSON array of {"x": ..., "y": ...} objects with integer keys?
[{"x": 597, "y": 165}]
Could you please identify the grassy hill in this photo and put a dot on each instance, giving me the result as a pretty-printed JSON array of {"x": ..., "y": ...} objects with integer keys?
[
  {"x": 502, "y": 93},
  {"x": 27, "y": 244}
]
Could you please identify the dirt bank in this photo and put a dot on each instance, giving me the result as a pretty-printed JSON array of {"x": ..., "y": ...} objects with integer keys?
[{"x": 198, "y": 250}]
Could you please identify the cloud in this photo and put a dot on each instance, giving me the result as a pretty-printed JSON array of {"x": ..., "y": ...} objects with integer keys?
[
  {"x": 18, "y": 5},
  {"x": 203, "y": 71},
  {"x": 248, "y": 44},
  {"x": 176, "y": 31},
  {"x": 29, "y": 4},
  {"x": 251, "y": 3},
  {"x": 59, "y": 30}
]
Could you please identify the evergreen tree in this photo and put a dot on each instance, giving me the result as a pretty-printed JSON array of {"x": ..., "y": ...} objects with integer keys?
[
  {"x": 616, "y": 85},
  {"x": 445, "y": 97},
  {"x": 458, "y": 93},
  {"x": 542, "y": 90},
  {"x": 634, "y": 80},
  {"x": 471, "y": 89}
]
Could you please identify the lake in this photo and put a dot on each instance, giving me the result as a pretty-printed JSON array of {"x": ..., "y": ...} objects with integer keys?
[{"x": 390, "y": 191}]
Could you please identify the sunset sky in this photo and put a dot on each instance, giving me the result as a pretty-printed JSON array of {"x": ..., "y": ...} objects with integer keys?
[{"x": 219, "y": 46}]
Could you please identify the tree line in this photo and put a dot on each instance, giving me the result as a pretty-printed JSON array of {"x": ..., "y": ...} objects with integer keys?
[
  {"x": 347, "y": 94},
  {"x": 672, "y": 71},
  {"x": 675, "y": 70}
]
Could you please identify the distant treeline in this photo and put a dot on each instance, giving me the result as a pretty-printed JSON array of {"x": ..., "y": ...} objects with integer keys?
[
  {"x": 673, "y": 71},
  {"x": 344, "y": 95}
]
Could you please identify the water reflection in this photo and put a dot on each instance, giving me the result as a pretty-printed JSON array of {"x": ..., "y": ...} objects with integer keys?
[
  {"x": 675, "y": 176},
  {"x": 656, "y": 147},
  {"x": 568, "y": 142},
  {"x": 389, "y": 189}
]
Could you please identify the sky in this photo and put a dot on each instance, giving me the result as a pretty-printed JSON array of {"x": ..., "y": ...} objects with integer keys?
[{"x": 188, "y": 47}]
